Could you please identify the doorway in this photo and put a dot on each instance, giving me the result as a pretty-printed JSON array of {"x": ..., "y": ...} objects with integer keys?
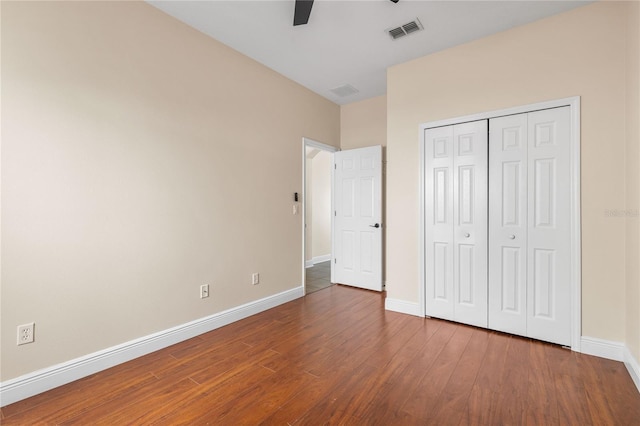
[{"x": 317, "y": 200}]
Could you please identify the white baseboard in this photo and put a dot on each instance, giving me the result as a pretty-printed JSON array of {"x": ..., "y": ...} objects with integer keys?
[
  {"x": 612, "y": 350},
  {"x": 320, "y": 259},
  {"x": 317, "y": 259},
  {"x": 402, "y": 306},
  {"x": 632, "y": 366},
  {"x": 602, "y": 348},
  {"x": 48, "y": 378}
]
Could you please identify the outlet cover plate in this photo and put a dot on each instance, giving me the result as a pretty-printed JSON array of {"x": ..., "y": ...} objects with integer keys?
[{"x": 25, "y": 333}]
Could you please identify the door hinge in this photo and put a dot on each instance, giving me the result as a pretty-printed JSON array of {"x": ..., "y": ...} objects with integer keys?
[
  {"x": 335, "y": 260},
  {"x": 335, "y": 213},
  {"x": 335, "y": 166}
]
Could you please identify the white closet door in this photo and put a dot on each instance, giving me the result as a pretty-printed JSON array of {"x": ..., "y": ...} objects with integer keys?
[
  {"x": 439, "y": 221},
  {"x": 508, "y": 224},
  {"x": 470, "y": 222},
  {"x": 498, "y": 247},
  {"x": 548, "y": 298},
  {"x": 456, "y": 229}
]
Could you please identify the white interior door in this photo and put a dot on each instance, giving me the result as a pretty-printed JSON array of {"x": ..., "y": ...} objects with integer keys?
[
  {"x": 456, "y": 229},
  {"x": 358, "y": 217},
  {"x": 508, "y": 224},
  {"x": 549, "y": 233}
]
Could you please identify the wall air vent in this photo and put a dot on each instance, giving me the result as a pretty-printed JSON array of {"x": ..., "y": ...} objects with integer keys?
[
  {"x": 406, "y": 29},
  {"x": 344, "y": 90}
]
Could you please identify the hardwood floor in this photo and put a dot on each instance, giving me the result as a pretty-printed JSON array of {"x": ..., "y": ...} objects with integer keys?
[{"x": 337, "y": 357}]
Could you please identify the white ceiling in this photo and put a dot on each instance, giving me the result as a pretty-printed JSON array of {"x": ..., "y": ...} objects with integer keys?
[{"x": 345, "y": 42}]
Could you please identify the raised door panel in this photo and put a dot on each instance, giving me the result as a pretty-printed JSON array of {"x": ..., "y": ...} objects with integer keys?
[
  {"x": 441, "y": 290},
  {"x": 511, "y": 282},
  {"x": 508, "y": 224},
  {"x": 470, "y": 222},
  {"x": 367, "y": 197},
  {"x": 544, "y": 284},
  {"x": 347, "y": 246},
  {"x": 367, "y": 235},
  {"x": 348, "y": 188},
  {"x": 439, "y": 222},
  {"x": 544, "y": 197},
  {"x": 548, "y": 248},
  {"x": 441, "y": 199}
]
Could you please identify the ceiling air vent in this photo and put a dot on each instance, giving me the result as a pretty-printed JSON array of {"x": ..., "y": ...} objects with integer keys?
[
  {"x": 344, "y": 90},
  {"x": 406, "y": 29}
]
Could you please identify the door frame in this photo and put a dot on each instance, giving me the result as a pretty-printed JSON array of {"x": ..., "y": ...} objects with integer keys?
[
  {"x": 310, "y": 143},
  {"x": 575, "y": 241}
]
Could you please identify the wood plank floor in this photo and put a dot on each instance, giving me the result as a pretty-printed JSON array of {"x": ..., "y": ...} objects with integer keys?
[{"x": 337, "y": 357}]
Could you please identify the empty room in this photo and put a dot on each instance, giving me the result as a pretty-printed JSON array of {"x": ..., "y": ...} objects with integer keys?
[{"x": 375, "y": 212}]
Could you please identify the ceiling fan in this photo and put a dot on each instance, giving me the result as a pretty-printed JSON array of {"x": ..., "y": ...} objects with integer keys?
[{"x": 303, "y": 11}]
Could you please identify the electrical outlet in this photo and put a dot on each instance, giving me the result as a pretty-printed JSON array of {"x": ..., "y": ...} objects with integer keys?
[
  {"x": 25, "y": 333},
  {"x": 255, "y": 279},
  {"x": 204, "y": 291}
]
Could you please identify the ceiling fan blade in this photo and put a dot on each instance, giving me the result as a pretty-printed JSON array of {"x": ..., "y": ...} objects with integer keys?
[{"x": 302, "y": 12}]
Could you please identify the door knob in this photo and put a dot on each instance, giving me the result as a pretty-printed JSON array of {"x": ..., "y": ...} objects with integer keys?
[
  {"x": 512, "y": 237},
  {"x": 377, "y": 225},
  {"x": 467, "y": 235}
]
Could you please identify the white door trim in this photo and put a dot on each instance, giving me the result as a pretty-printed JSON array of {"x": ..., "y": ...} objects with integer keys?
[
  {"x": 310, "y": 143},
  {"x": 576, "y": 265}
]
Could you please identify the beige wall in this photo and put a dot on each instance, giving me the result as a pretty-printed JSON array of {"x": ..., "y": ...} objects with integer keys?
[
  {"x": 318, "y": 204},
  {"x": 364, "y": 123},
  {"x": 308, "y": 200},
  {"x": 140, "y": 159},
  {"x": 578, "y": 53},
  {"x": 321, "y": 182},
  {"x": 632, "y": 156}
]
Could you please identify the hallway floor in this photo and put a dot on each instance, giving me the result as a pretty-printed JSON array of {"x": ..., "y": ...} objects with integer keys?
[{"x": 318, "y": 276}]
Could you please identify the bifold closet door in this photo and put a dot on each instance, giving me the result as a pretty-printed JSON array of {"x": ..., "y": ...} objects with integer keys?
[
  {"x": 529, "y": 234},
  {"x": 549, "y": 234},
  {"x": 508, "y": 224},
  {"x": 439, "y": 217},
  {"x": 456, "y": 228}
]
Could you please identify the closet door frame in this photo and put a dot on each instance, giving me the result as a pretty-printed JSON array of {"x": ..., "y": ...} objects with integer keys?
[{"x": 574, "y": 188}]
